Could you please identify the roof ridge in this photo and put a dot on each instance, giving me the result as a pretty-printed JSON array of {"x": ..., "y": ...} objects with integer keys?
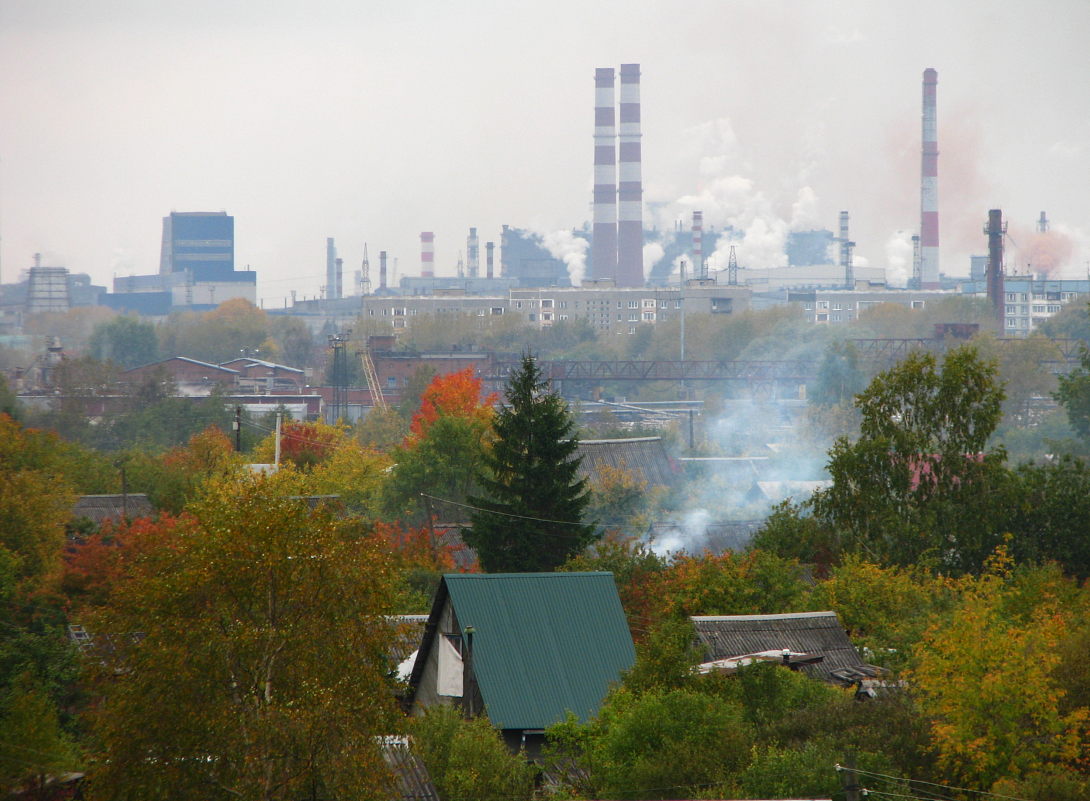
[{"x": 786, "y": 616}]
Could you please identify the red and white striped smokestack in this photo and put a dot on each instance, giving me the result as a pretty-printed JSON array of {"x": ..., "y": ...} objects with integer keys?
[
  {"x": 630, "y": 184},
  {"x": 604, "y": 244},
  {"x": 698, "y": 244},
  {"x": 382, "y": 269},
  {"x": 929, "y": 186},
  {"x": 488, "y": 247},
  {"x": 427, "y": 255}
]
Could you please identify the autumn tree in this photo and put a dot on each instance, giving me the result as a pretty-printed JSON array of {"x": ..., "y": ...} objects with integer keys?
[
  {"x": 529, "y": 516},
  {"x": 919, "y": 484},
  {"x": 260, "y": 669}
]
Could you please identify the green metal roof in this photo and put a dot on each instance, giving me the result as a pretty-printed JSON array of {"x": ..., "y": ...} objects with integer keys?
[{"x": 544, "y": 643}]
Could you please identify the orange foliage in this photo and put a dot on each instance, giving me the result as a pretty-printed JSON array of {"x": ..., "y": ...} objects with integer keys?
[
  {"x": 203, "y": 454},
  {"x": 457, "y": 394},
  {"x": 308, "y": 444},
  {"x": 92, "y": 568},
  {"x": 413, "y": 548}
]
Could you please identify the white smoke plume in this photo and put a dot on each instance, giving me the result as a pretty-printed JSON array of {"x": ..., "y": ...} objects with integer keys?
[
  {"x": 570, "y": 249},
  {"x": 652, "y": 254},
  {"x": 804, "y": 216},
  {"x": 899, "y": 259}
]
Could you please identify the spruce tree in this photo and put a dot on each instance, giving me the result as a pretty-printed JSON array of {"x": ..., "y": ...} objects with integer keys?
[{"x": 529, "y": 517}]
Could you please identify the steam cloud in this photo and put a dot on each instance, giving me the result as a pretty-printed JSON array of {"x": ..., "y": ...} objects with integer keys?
[
  {"x": 570, "y": 249},
  {"x": 899, "y": 259}
]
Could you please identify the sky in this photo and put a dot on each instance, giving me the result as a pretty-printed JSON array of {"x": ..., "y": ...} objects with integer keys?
[{"x": 371, "y": 122}]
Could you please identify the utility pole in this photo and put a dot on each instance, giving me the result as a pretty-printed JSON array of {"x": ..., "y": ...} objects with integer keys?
[
  {"x": 851, "y": 778},
  {"x": 431, "y": 523},
  {"x": 279, "y": 415},
  {"x": 681, "y": 299},
  {"x": 238, "y": 429}
]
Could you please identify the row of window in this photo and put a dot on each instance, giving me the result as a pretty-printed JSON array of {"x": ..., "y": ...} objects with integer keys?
[{"x": 1015, "y": 297}]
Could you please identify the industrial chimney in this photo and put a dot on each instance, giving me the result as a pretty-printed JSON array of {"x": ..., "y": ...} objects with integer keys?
[
  {"x": 427, "y": 254},
  {"x": 330, "y": 269},
  {"x": 473, "y": 254},
  {"x": 929, "y": 189},
  {"x": 604, "y": 244},
  {"x": 630, "y": 185},
  {"x": 698, "y": 244},
  {"x": 995, "y": 230},
  {"x": 488, "y": 248},
  {"x": 338, "y": 286},
  {"x": 382, "y": 269}
]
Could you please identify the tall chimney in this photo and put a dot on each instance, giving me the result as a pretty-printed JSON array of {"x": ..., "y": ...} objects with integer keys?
[
  {"x": 339, "y": 284},
  {"x": 488, "y": 247},
  {"x": 698, "y": 244},
  {"x": 929, "y": 187},
  {"x": 843, "y": 238},
  {"x": 382, "y": 269},
  {"x": 604, "y": 243},
  {"x": 473, "y": 254},
  {"x": 330, "y": 268},
  {"x": 995, "y": 230},
  {"x": 427, "y": 254},
  {"x": 630, "y": 185}
]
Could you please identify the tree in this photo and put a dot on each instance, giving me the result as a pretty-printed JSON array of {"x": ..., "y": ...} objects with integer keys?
[
  {"x": 33, "y": 748},
  {"x": 529, "y": 517},
  {"x": 125, "y": 340},
  {"x": 260, "y": 672},
  {"x": 840, "y": 376},
  {"x": 918, "y": 484},
  {"x": 1074, "y": 394}
]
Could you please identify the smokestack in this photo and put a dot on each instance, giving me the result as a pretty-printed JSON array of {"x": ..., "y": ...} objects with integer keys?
[
  {"x": 929, "y": 187},
  {"x": 604, "y": 243},
  {"x": 843, "y": 239},
  {"x": 330, "y": 268},
  {"x": 630, "y": 185},
  {"x": 698, "y": 244},
  {"x": 339, "y": 285},
  {"x": 1042, "y": 224},
  {"x": 488, "y": 258},
  {"x": 995, "y": 231},
  {"x": 427, "y": 255},
  {"x": 473, "y": 254},
  {"x": 382, "y": 269}
]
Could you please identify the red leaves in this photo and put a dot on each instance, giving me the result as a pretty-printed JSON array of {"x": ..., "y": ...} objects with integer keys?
[{"x": 457, "y": 394}]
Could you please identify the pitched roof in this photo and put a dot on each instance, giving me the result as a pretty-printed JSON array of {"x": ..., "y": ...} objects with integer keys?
[
  {"x": 185, "y": 359},
  {"x": 806, "y": 632},
  {"x": 100, "y": 508},
  {"x": 645, "y": 456},
  {"x": 412, "y": 780},
  {"x": 543, "y": 643}
]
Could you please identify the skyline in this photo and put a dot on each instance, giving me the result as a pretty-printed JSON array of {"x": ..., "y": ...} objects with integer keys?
[{"x": 375, "y": 124}]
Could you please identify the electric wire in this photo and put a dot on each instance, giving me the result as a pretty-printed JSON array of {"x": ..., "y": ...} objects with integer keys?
[{"x": 940, "y": 786}]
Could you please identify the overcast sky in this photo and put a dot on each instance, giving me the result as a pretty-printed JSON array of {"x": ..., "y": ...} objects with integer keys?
[{"x": 371, "y": 122}]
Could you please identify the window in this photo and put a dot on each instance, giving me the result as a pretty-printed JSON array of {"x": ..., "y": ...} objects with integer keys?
[
  {"x": 385, "y": 312},
  {"x": 1012, "y": 309},
  {"x": 1038, "y": 309},
  {"x": 823, "y": 304},
  {"x": 480, "y": 312},
  {"x": 533, "y": 304},
  {"x": 836, "y": 307},
  {"x": 618, "y": 304},
  {"x": 836, "y": 318},
  {"x": 497, "y": 309},
  {"x": 563, "y": 317},
  {"x": 399, "y": 323},
  {"x": 564, "y": 304},
  {"x": 649, "y": 304},
  {"x": 662, "y": 304},
  {"x": 677, "y": 304},
  {"x": 1011, "y": 297},
  {"x": 414, "y": 312},
  {"x": 823, "y": 318},
  {"x": 1023, "y": 309},
  {"x": 1038, "y": 296},
  {"x": 391, "y": 382},
  {"x": 808, "y": 306},
  {"x": 518, "y": 304},
  {"x": 633, "y": 304},
  {"x": 1025, "y": 323},
  {"x": 848, "y": 306},
  {"x": 533, "y": 318},
  {"x": 577, "y": 304},
  {"x": 370, "y": 312},
  {"x": 1053, "y": 309},
  {"x": 546, "y": 316},
  {"x": 546, "y": 304},
  {"x": 399, "y": 312},
  {"x": 633, "y": 317},
  {"x": 1011, "y": 322},
  {"x": 1025, "y": 297},
  {"x": 618, "y": 318},
  {"x": 631, "y": 330},
  {"x": 649, "y": 316},
  {"x": 917, "y": 304}
]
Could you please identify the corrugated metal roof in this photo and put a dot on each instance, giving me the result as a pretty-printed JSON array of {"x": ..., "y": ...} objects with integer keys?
[
  {"x": 100, "y": 508},
  {"x": 413, "y": 782},
  {"x": 643, "y": 455},
  {"x": 806, "y": 632},
  {"x": 544, "y": 643}
]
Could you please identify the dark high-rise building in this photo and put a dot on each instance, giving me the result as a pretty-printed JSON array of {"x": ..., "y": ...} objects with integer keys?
[{"x": 200, "y": 242}]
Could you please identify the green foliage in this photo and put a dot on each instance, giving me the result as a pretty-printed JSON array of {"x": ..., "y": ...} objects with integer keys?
[
  {"x": 125, "y": 340},
  {"x": 790, "y": 532},
  {"x": 295, "y": 343},
  {"x": 917, "y": 486},
  {"x": 32, "y": 744},
  {"x": 1074, "y": 394},
  {"x": 9, "y": 402},
  {"x": 410, "y": 397},
  {"x": 1052, "y": 517},
  {"x": 666, "y": 659},
  {"x": 468, "y": 758},
  {"x": 530, "y": 515},
  {"x": 840, "y": 376}
]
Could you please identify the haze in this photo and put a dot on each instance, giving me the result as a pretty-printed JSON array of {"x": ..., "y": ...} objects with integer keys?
[{"x": 371, "y": 122}]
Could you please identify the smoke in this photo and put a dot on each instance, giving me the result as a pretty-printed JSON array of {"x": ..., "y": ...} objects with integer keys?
[
  {"x": 899, "y": 259},
  {"x": 1044, "y": 253},
  {"x": 690, "y": 530},
  {"x": 804, "y": 211},
  {"x": 652, "y": 255},
  {"x": 570, "y": 249}
]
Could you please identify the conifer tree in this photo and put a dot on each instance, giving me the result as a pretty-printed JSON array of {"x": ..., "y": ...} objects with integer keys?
[{"x": 529, "y": 517}]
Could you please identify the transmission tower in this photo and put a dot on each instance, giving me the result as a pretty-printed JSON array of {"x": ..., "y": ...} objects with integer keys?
[
  {"x": 461, "y": 266},
  {"x": 339, "y": 343},
  {"x": 732, "y": 268},
  {"x": 365, "y": 282}
]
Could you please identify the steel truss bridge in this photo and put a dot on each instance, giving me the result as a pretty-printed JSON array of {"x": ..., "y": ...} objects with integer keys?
[{"x": 753, "y": 372}]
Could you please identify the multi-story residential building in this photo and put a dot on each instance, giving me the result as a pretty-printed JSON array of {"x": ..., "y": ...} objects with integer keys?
[
  {"x": 1028, "y": 303},
  {"x": 841, "y": 306}
]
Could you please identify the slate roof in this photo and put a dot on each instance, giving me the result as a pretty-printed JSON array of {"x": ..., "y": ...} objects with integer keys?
[
  {"x": 100, "y": 508},
  {"x": 645, "y": 456},
  {"x": 410, "y": 632},
  {"x": 412, "y": 780},
  {"x": 805, "y": 632},
  {"x": 449, "y": 535},
  {"x": 543, "y": 643}
]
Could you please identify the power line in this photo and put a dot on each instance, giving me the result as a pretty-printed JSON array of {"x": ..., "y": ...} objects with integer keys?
[{"x": 940, "y": 786}]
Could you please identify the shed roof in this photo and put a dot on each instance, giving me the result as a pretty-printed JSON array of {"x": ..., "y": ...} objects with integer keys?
[
  {"x": 645, "y": 456},
  {"x": 543, "y": 643},
  {"x": 806, "y": 632},
  {"x": 100, "y": 508}
]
